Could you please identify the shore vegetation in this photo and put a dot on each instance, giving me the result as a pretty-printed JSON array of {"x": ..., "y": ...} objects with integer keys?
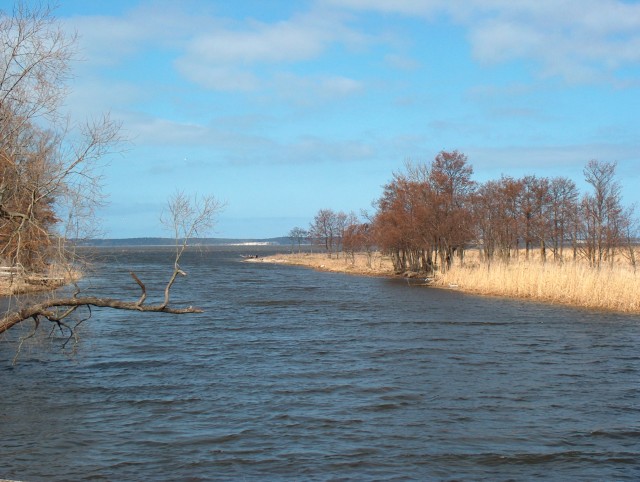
[
  {"x": 575, "y": 283},
  {"x": 530, "y": 237}
]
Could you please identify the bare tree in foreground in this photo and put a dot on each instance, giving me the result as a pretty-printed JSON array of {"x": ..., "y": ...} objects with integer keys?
[
  {"x": 50, "y": 179},
  {"x": 187, "y": 218}
]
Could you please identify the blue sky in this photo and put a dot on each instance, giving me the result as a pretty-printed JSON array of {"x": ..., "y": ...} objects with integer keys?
[{"x": 281, "y": 108}]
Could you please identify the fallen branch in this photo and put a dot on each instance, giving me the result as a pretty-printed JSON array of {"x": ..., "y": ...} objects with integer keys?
[{"x": 43, "y": 309}]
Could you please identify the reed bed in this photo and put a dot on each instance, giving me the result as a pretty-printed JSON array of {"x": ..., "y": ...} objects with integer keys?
[{"x": 614, "y": 288}]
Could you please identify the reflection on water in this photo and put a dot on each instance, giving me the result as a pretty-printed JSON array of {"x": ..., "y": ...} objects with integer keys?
[{"x": 292, "y": 374}]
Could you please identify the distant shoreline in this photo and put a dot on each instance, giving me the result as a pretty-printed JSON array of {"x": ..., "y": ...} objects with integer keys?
[{"x": 169, "y": 242}]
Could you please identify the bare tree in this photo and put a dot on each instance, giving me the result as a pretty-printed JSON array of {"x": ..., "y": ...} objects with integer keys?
[
  {"x": 297, "y": 235},
  {"x": 602, "y": 213},
  {"x": 50, "y": 168},
  {"x": 187, "y": 218},
  {"x": 50, "y": 176},
  {"x": 323, "y": 229},
  {"x": 452, "y": 189},
  {"x": 427, "y": 212},
  {"x": 562, "y": 214},
  {"x": 34, "y": 66}
]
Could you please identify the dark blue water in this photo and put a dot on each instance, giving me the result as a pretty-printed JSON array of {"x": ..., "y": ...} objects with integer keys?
[{"x": 292, "y": 374}]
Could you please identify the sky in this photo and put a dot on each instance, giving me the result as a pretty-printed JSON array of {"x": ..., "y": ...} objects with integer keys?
[{"x": 281, "y": 108}]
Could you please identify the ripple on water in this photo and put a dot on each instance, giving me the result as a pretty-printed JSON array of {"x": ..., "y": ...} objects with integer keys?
[{"x": 292, "y": 374}]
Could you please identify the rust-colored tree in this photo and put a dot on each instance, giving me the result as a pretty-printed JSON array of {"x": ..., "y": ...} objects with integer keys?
[
  {"x": 427, "y": 211},
  {"x": 452, "y": 194},
  {"x": 399, "y": 224},
  {"x": 534, "y": 206},
  {"x": 357, "y": 238},
  {"x": 327, "y": 230}
]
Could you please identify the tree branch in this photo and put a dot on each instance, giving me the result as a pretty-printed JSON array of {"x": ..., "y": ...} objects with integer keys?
[{"x": 42, "y": 309}]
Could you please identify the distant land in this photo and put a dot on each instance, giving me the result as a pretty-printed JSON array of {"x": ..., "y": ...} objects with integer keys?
[{"x": 281, "y": 241}]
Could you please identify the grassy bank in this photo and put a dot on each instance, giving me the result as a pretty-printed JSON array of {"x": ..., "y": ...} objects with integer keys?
[
  {"x": 614, "y": 288},
  {"x": 572, "y": 283}
]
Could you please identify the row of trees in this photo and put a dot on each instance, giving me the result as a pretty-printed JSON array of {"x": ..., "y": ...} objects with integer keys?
[{"x": 430, "y": 213}]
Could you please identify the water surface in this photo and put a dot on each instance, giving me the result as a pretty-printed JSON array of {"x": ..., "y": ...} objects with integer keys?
[{"x": 291, "y": 374}]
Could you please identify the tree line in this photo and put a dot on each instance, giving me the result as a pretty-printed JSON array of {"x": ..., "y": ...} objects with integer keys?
[{"x": 430, "y": 213}]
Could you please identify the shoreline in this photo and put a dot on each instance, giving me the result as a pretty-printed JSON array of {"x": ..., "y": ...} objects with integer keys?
[
  {"x": 24, "y": 288},
  {"x": 35, "y": 284},
  {"x": 362, "y": 265},
  {"x": 572, "y": 284}
]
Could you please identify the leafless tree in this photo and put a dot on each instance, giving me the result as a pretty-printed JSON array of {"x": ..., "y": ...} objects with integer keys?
[
  {"x": 562, "y": 214},
  {"x": 34, "y": 66},
  {"x": 602, "y": 213},
  {"x": 50, "y": 176},
  {"x": 186, "y": 218},
  {"x": 323, "y": 229},
  {"x": 49, "y": 168},
  {"x": 426, "y": 212},
  {"x": 297, "y": 235}
]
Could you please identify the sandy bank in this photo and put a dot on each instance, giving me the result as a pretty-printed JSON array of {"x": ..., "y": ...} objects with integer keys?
[{"x": 360, "y": 264}]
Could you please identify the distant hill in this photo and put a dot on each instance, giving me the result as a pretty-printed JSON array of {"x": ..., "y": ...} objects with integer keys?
[{"x": 281, "y": 241}]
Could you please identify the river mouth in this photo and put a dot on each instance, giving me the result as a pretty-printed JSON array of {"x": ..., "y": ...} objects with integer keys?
[{"x": 293, "y": 374}]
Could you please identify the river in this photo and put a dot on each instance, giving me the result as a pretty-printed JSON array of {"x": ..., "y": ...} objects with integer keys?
[{"x": 292, "y": 374}]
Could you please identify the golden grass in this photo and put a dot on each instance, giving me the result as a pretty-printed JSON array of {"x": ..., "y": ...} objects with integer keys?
[{"x": 614, "y": 288}]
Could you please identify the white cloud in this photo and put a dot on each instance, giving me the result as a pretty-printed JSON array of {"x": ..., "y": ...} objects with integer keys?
[
  {"x": 313, "y": 90},
  {"x": 158, "y": 131},
  {"x": 280, "y": 42},
  {"x": 407, "y": 7},
  {"x": 402, "y": 62},
  {"x": 108, "y": 40},
  {"x": 315, "y": 149},
  {"x": 228, "y": 58},
  {"x": 214, "y": 52},
  {"x": 87, "y": 98},
  {"x": 578, "y": 40},
  {"x": 218, "y": 77}
]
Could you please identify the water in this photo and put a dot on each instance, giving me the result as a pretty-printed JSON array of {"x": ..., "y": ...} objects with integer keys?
[{"x": 292, "y": 374}]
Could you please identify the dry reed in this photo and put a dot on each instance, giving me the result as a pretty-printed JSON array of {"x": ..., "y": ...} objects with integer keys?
[
  {"x": 573, "y": 283},
  {"x": 615, "y": 288}
]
